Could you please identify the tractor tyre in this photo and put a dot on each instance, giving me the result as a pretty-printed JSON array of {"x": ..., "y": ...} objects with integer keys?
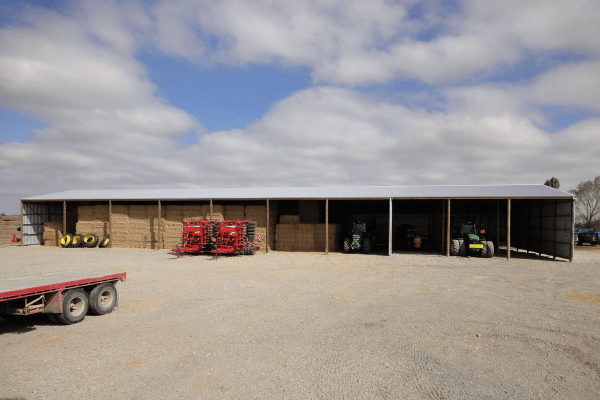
[
  {"x": 103, "y": 298},
  {"x": 90, "y": 240},
  {"x": 462, "y": 248},
  {"x": 75, "y": 306},
  {"x": 66, "y": 240},
  {"x": 77, "y": 240},
  {"x": 347, "y": 245},
  {"x": 104, "y": 242},
  {"x": 490, "y": 249},
  {"x": 454, "y": 249},
  {"x": 483, "y": 251},
  {"x": 366, "y": 246}
]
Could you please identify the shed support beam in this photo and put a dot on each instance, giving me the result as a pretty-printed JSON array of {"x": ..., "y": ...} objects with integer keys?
[
  {"x": 497, "y": 227},
  {"x": 267, "y": 231},
  {"x": 555, "y": 227},
  {"x": 110, "y": 223},
  {"x": 390, "y": 231},
  {"x": 158, "y": 236},
  {"x": 22, "y": 226},
  {"x": 327, "y": 226},
  {"x": 572, "y": 230},
  {"x": 64, "y": 230},
  {"x": 508, "y": 230},
  {"x": 211, "y": 212},
  {"x": 448, "y": 228}
]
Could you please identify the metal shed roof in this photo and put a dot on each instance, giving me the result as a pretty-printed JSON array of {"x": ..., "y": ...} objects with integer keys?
[{"x": 282, "y": 193}]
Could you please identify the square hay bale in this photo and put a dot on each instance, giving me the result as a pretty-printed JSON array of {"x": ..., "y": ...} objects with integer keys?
[
  {"x": 52, "y": 233},
  {"x": 289, "y": 219},
  {"x": 258, "y": 214}
]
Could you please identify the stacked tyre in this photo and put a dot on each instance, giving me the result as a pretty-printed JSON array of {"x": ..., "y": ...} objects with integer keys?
[{"x": 89, "y": 241}]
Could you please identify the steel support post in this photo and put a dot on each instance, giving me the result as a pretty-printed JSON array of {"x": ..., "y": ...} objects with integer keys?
[
  {"x": 110, "y": 223},
  {"x": 572, "y": 230},
  {"x": 22, "y": 226},
  {"x": 327, "y": 226},
  {"x": 64, "y": 230},
  {"x": 158, "y": 236},
  {"x": 448, "y": 228},
  {"x": 508, "y": 231},
  {"x": 497, "y": 228},
  {"x": 555, "y": 228},
  {"x": 267, "y": 231},
  {"x": 390, "y": 231},
  {"x": 211, "y": 212}
]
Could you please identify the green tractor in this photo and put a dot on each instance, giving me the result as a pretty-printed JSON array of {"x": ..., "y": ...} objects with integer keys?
[
  {"x": 469, "y": 239},
  {"x": 358, "y": 236}
]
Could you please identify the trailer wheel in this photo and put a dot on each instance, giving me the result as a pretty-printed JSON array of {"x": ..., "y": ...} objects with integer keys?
[
  {"x": 66, "y": 240},
  {"x": 103, "y": 298},
  {"x": 455, "y": 248},
  {"x": 75, "y": 306},
  {"x": 347, "y": 244},
  {"x": 249, "y": 251},
  {"x": 490, "y": 249},
  {"x": 104, "y": 242},
  {"x": 366, "y": 246},
  {"x": 90, "y": 240}
]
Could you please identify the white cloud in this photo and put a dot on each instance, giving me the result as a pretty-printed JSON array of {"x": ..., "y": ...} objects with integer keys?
[{"x": 357, "y": 43}]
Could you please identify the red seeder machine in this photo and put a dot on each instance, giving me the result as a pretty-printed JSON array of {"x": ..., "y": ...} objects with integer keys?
[{"x": 219, "y": 237}]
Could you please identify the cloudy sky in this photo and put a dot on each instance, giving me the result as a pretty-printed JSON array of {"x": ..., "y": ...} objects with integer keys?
[{"x": 254, "y": 93}]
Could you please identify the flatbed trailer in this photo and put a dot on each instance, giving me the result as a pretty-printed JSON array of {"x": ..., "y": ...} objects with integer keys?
[{"x": 64, "y": 296}]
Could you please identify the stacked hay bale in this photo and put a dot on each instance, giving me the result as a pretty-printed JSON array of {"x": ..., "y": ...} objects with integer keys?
[
  {"x": 217, "y": 214},
  {"x": 92, "y": 219},
  {"x": 290, "y": 235},
  {"x": 119, "y": 235},
  {"x": 286, "y": 233},
  {"x": 8, "y": 228},
  {"x": 172, "y": 226},
  {"x": 335, "y": 237},
  {"x": 52, "y": 233},
  {"x": 259, "y": 214},
  {"x": 233, "y": 212},
  {"x": 194, "y": 212}
]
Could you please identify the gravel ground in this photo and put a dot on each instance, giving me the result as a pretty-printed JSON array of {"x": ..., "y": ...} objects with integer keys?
[{"x": 310, "y": 326}]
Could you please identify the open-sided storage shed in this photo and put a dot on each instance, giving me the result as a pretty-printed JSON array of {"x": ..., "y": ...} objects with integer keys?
[{"x": 535, "y": 218}]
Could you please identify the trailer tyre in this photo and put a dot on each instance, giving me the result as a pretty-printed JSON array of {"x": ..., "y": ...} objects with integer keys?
[
  {"x": 66, "y": 240},
  {"x": 490, "y": 249},
  {"x": 90, "y": 240},
  {"x": 347, "y": 244},
  {"x": 454, "y": 250},
  {"x": 103, "y": 298},
  {"x": 75, "y": 306}
]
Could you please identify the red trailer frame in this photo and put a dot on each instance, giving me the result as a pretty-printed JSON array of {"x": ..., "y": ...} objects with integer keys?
[{"x": 64, "y": 295}]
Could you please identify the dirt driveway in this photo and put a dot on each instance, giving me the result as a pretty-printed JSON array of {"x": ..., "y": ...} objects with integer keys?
[{"x": 310, "y": 326}]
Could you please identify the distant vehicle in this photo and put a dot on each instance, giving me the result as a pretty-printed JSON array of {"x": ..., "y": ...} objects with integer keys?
[
  {"x": 587, "y": 236},
  {"x": 469, "y": 238},
  {"x": 358, "y": 236}
]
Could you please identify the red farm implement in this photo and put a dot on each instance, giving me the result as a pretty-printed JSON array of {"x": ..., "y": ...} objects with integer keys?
[{"x": 218, "y": 237}]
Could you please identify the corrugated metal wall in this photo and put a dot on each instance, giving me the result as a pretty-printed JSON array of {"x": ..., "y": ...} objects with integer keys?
[{"x": 35, "y": 215}]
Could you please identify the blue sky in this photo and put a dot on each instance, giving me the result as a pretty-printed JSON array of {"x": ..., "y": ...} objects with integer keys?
[{"x": 182, "y": 93}]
